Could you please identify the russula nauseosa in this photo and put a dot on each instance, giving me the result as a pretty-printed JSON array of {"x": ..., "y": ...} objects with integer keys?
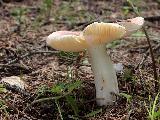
[
  {"x": 67, "y": 41},
  {"x": 94, "y": 38}
]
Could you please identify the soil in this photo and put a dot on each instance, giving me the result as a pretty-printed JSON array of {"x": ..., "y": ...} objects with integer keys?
[{"x": 24, "y": 53}]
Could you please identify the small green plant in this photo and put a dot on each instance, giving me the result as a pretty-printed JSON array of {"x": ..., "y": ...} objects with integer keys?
[
  {"x": 71, "y": 100},
  {"x": 126, "y": 9},
  {"x": 66, "y": 13},
  {"x": 114, "y": 44},
  {"x": 47, "y": 4},
  {"x": 68, "y": 57},
  {"x": 128, "y": 97},
  {"x": 18, "y": 14},
  {"x": 128, "y": 75},
  {"x": 3, "y": 108},
  {"x": 45, "y": 13},
  {"x": 93, "y": 113},
  {"x": 64, "y": 88},
  {"x": 42, "y": 90},
  {"x": 66, "y": 93},
  {"x": 138, "y": 34},
  {"x": 154, "y": 109},
  {"x": 2, "y": 89},
  {"x": 129, "y": 101},
  {"x": 46, "y": 9}
]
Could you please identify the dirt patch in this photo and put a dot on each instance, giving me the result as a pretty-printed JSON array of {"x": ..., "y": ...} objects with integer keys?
[{"x": 24, "y": 27}]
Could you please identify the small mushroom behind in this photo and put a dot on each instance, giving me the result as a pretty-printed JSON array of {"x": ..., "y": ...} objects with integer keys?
[{"x": 132, "y": 25}]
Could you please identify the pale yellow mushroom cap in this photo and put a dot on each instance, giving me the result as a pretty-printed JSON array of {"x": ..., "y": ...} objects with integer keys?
[
  {"x": 100, "y": 33},
  {"x": 94, "y": 34},
  {"x": 66, "y": 41}
]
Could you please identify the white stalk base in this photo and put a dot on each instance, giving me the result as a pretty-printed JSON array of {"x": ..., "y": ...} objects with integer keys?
[{"x": 105, "y": 75}]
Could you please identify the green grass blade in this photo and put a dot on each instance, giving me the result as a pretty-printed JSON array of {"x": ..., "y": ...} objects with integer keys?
[
  {"x": 59, "y": 110},
  {"x": 93, "y": 113},
  {"x": 72, "y": 102},
  {"x": 154, "y": 104}
]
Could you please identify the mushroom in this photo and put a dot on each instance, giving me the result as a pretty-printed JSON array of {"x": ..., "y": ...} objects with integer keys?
[
  {"x": 67, "y": 41},
  {"x": 94, "y": 38},
  {"x": 97, "y": 35},
  {"x": 132, "y": 25}
]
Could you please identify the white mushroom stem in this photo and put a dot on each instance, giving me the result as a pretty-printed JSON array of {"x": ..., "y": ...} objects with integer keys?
[{"x": 105, "y": 75}]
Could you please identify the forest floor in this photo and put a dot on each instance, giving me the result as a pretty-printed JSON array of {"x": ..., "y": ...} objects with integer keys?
[{"x": 48, "y": 73}]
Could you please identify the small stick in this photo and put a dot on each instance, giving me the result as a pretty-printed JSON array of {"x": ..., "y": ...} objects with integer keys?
[
  {"x": 29, "y": 54},
  {"x": 46, "y": 99}
]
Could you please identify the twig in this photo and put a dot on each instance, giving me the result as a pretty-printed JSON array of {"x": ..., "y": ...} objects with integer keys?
[
  {"x": 59, "y": 110},
  {"x": 153, "y": 60},
  {"x": 15, "y": 65},
  {"x": 150, "y": 48},
  {"x": 14, "y": 68},
  {"x": 152, "y": 18},
  {"x": 29, "y": 54},
  {"x": 46, "y": 99}
]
